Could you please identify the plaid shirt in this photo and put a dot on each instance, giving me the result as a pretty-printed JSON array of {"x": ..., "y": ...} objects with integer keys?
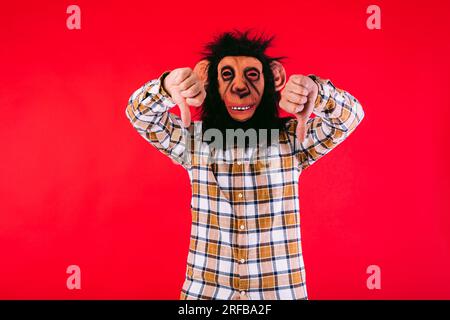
[{"x": 245, "y": 238}]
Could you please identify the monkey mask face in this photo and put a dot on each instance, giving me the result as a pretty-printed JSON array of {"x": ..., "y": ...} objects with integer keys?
[{"x": 241, "y": 83}]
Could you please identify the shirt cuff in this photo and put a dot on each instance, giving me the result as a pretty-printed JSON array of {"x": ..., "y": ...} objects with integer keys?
[{"x": 161, "y": 88}]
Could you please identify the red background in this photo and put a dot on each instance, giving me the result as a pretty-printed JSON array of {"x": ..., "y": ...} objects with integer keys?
[{"x": 79, "y": 186}]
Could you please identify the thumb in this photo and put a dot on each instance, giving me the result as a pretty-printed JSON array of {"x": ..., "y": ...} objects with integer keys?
[
  {"x": 300, "y": 130},
  {"x": 185, "y": 112},
  {"x": 302, "y": 119}
]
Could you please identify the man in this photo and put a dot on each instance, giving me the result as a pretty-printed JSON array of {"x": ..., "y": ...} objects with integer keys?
[{"x": 245, "y": 237}]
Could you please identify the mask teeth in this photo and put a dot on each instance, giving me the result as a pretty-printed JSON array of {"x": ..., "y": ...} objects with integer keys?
[{"x": 241, "y": 108}]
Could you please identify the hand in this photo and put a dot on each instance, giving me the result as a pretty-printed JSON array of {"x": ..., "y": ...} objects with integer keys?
[
  {"x": 298, "y": 97},
  {"x": 185, "y": 89}
]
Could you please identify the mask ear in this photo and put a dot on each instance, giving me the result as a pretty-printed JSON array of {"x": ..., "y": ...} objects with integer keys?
[
  {"x": 279, "y": 75},
  {"x": 201, "y": 70}
]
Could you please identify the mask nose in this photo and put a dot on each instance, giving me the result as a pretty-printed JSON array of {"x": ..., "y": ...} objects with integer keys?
[{"x": 241, "y": 90}]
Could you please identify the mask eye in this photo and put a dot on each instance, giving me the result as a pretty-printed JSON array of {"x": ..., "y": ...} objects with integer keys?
[
  {"x": 252, "y": 75},
  {"x": 227, "y": 74}
]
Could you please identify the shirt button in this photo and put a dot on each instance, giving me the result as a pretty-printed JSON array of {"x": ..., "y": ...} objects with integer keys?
[
  {"x": 242, "y": 260},
  {"x": 240, "y": 195},
  {"x": 242, "y": 227}
]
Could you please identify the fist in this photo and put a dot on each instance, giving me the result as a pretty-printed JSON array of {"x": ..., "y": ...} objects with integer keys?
[
  {"x": 298, "y": 97},
  {"x": 186, "y": 90}
]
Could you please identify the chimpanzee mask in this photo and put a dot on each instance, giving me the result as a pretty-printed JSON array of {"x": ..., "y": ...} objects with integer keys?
[{"x": 242, "y": 84}]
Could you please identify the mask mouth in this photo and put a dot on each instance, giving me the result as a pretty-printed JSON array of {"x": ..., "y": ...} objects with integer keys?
[{"x": 241, "y": 108}]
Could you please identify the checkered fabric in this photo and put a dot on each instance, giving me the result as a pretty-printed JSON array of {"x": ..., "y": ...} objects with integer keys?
[{"x": 245, "y": 239}]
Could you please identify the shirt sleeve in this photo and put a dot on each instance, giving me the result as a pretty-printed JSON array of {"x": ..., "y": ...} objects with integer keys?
[
  {"x": 148, "y": 111},
  {"x": 337, "y": 114}
]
